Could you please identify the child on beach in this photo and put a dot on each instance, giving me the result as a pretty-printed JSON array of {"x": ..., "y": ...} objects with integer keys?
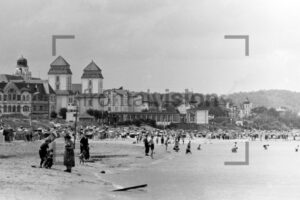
[
  {"x": 49, "y": 159},
  {"x": 43, "y": 151}
]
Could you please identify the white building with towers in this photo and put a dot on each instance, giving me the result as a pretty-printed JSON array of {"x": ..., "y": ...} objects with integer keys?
[
  {"x": 91, "y": 96},
  {"x": 60, "y": 79}
]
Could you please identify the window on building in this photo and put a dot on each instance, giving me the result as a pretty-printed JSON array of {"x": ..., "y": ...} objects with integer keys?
[
  {"x": 5, "y": 97},
  {"x": 25, "y": 109},
  {"x": 41, "y": 108},
  {"x": 57, "y": 83},
  {"x": 9, "y": 97},
  {"x": 70, "y": 100},
  {"x": 90, "y": 102},
  {"x": 1, "y": 97},
  {"x": 9, "y": 109},
  {"x": 23, "y": 98},
  {"x": 18, "y": 97},
  {"x": 5, "y": 108},
  {"x": 18, "y": 108},
  {"x": 69, "y": 83},
  {"x": 27, "y": 97},
  {"x": 90, "y": 86},
  {"x": 14, "y": 109}
]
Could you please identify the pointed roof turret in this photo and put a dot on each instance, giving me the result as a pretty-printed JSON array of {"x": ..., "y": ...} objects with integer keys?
[
  {"x": 59, "y": 66},
  {"x": 92, "y": 71}
]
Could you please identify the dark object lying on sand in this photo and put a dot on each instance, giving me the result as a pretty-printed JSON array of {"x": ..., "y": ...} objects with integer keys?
[{"x": 130, "y": 188}]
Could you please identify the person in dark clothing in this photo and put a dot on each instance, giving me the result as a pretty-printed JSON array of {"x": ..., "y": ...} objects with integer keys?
[
  {"x": 176, "y": 147},
  {"x": 162, "y": 140},
  {"x": 146, "y": 143},
  {"x": 43, "y": 151},
  {"x": 188, "y": 148},
  {"x": 69, "y": 156},
  {"x": 49, "y": 159},
  {"x": 151, "y": 145},
  {"x": 84, "y": 147}
]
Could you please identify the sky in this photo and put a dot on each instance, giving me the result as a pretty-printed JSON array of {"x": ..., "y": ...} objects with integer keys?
[{"x": 159, "y": 44}]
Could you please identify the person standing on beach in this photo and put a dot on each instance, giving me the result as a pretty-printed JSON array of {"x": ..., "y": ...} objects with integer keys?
[
  {"x": 151, "y": 145},
  {"x": 188, "y": 148},
  {"x": 167, "y": 143},
  {"x": 69, "y": 157},
  {"x": 162, "y": 139},
  {"x": 84, "y": 146},
  {"x": 43, "y": 151},
  {"x": 146, "y": 143}
]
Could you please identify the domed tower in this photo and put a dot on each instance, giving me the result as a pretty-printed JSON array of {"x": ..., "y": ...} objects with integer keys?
[{"x": 22, "y": 69}]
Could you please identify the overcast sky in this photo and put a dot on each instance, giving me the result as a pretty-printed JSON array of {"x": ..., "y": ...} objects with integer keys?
[{"x": 158, "y": 44}]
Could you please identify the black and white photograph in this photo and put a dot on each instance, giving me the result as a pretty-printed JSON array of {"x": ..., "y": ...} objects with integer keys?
[{"x": 150, "y": 100}]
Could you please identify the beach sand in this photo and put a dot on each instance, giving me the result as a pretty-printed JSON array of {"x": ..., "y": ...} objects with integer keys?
[{"x": 19, "y": 180}]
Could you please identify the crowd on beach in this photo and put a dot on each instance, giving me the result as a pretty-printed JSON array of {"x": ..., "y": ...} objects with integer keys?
[{"x": 147, "y": 136}]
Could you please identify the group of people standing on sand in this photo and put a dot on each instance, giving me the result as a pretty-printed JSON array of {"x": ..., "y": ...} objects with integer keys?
[
  {"x": 46, "y": 154},
  {"x": 164, "y": 140}
]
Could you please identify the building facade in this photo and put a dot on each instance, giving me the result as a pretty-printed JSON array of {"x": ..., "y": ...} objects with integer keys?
[
  {"x": 197, "y": 116},
  {"x": 21, "y": 94},
  {"x": 60, "y": 79}
]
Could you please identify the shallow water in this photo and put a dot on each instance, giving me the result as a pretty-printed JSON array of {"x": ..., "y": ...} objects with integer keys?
[{"x": 271, "y": 174}]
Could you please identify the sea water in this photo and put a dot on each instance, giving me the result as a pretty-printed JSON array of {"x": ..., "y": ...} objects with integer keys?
[{"x": 271, "y": 174}]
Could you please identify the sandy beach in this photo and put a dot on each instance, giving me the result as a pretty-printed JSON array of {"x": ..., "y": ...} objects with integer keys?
[{"x": 19, "y": 180}]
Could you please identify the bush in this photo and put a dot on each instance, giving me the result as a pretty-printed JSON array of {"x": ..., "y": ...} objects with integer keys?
[
  {"x": 63, "y": 113},
  {"x": 53, "y": 115}
]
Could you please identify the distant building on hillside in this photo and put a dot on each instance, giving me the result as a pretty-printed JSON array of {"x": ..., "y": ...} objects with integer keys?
[
  {"x": 246, "y": 108},
  {"x": 197, "y": 116}
]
